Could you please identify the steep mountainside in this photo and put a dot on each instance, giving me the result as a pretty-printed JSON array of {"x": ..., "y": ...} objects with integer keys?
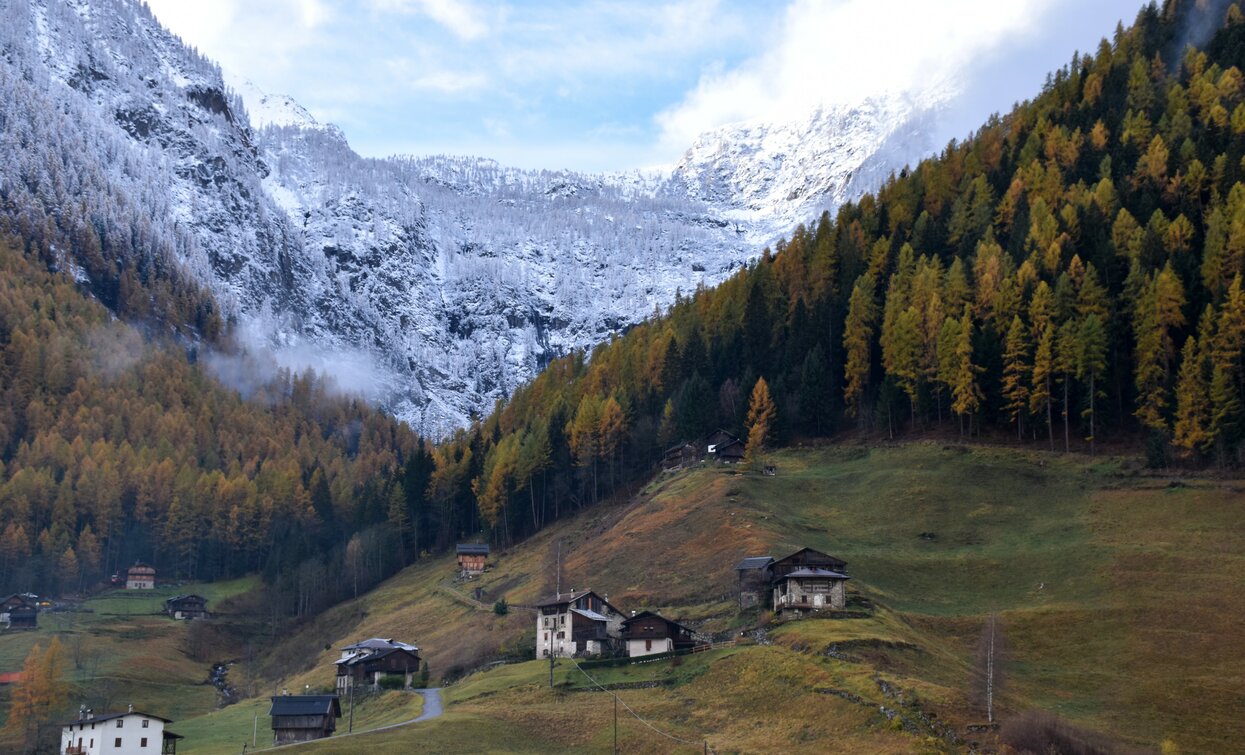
[{"x": 443, "y": 282}]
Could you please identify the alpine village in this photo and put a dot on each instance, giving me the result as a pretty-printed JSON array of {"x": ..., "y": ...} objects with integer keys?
[{"x": 956, "y": 463}]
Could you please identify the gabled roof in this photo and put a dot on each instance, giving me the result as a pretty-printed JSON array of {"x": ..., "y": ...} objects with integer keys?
[
  {"x": 832, "y": 559},
  {"x": 472, "y": 549},
  {"x": 754, "y": 562},
  {"x": 571, "y": 597},
  {"x": 113, "y": 716},
  {"x": 140, "y": 568},
  {"x": 813, "y": 572},
  {"x": 650, "y": 615},
  {"x": 380, "y": 643},
  {"x": 357, "y": 658},
  {"x": 305, "y": 705},
  {"x": 190, "y": 598}
]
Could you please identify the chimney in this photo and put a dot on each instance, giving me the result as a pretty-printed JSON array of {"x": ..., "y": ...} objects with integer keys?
[
  {"x": 131, "y": 709},
  {"x": 633, "y": 612}
]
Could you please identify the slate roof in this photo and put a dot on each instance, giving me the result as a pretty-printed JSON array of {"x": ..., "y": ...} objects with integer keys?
[
  {"x": 650, "y": 616},
  {"x": 589, "y": 614},
  {"x": 754, "y": 562},
  {"x": 472, "y": 549},
  {"x": 566, "y": 597},
  {"x": 113, "y": 716},
  {"x": 305, "y": 705},
  {"x": 812, "y": 572},
  {"x": 358, "y": 658},
  {"x": 381, "y": 643}
]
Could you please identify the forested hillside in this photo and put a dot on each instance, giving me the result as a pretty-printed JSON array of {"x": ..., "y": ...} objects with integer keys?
[
  {"x": 118, "y": 447},
  {"x": 1070, "y": 273}
]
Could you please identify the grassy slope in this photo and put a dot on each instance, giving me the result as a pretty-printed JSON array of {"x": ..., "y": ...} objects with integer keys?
[{"x": 1119, "y": 595}]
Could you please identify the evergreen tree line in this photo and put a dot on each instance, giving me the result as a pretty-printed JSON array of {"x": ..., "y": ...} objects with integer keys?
[
  {"x": 117, "y": 447},
  {"x": 1070, "y": 274}
]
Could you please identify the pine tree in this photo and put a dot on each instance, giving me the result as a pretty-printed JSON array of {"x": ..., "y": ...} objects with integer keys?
[
  {"x": 965, "y": 394},
  {"x": 1158, "y": 313},
  {"x": 1192, "y": 398},
  {"x": 1016, "y": 373},
  {"x": 1091, "y": 360},
  {"x": 1066, "y": 345},
  {"x": 761, "y": 416},
  {"x": 858, "y": 329},
  {"x": 1043, "y": 368}
]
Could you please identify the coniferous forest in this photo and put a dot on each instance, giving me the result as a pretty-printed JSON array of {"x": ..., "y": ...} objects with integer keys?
[{"x": 1068, "y": 276}]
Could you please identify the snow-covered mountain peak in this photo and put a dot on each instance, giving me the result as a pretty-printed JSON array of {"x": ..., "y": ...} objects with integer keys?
[{"x": 266, "y": 109}]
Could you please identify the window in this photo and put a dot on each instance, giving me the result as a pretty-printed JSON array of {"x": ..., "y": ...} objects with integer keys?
[
  {"x": 92, "y": 741},
  {"x": 648, "y": 644},
  {"x": 145, "y": 722},
  {"x": 117, "y": 742},
  {"x": 120, "y": 722},
  {"x": 142, "y": 742}
]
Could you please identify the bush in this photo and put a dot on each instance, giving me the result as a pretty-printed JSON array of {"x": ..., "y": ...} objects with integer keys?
[
  {"x": 393, "y": 681},
  {"x": 501, "y": 608}
]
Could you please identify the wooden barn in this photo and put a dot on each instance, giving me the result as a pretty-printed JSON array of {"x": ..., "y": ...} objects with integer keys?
[
  {"x": 754, "y": 581},
  {"x": 472, "y": 558},
  {"x": 364, "y": 664},
  {"x": 302, "y": 718},
  {"x": 141, "y": 577},
  {"x": 680, "y": 456},
  {"x": 184, "y": 607},
  {"x": 648, "y": 633},
  {"x": 806, "y": 558},
  {"x": 724, "y": 448}
]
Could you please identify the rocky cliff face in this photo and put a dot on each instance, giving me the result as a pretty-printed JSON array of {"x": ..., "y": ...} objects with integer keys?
[{"x": 431, "y": 285}]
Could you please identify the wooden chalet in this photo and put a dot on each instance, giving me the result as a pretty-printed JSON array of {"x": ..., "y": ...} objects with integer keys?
[
  {"x": 724, "y": 448},
  {"x": 186, "y": 607},
  {"x": 302, "y": 718},
  {"x": 141, "y": 577},
  {"x": 806, "y": 558},
  {"x": 576, "y": 623},
  {"x": 648, "y": 633},
  {"x": 20, "y": 611},
  {"x": 680, "y": 456},
  {"x": 472, "y": 558},
  {"x": 365, "y": 663},
  {"x": 754, "y": 581}
]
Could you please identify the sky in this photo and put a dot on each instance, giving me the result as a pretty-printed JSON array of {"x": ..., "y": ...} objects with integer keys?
[{"x": 600, "y": 85}]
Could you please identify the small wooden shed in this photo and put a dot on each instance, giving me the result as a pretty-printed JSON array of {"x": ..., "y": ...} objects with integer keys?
[
  {"x": 472, "y": 558},
  {"x": 302, "y": 718}
]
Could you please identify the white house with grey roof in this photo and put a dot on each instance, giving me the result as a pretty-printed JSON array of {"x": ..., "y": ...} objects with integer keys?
[
  {"x": 577, "y": 623},
  {"x": 128, "y": 733}
]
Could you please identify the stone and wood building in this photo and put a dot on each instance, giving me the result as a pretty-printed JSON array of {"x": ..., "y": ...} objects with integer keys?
[
  {"x": 364, "y": 664},
  {"x": 186, "y": 607},
  {"x": 302, "y": 718},
  {"x": 724, "y": 448},
  {"x": 141, "y": 577},
  {"x": 128, "y": 733},
  {"x": 472, "y": 559},
  {"x": 649, "y": 633},
  {"x": 754, "y": 581},
  {"x": 575, "y": 624}
]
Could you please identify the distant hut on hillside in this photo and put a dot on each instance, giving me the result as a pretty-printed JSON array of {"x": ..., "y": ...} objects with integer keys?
[
  {"x": 366, "y": 663},
  {"x": 141, "y": 577},
  {"x": 302, "y": 718},
  {"x": 724, "y": 448},
  {"x": 472, "y": 559},
  {"x": 680, "y": 456},
  {"x": 808, "y": 581},
  {"x": 754, "y": 581},
  {"x": 20, "y": 611},
  {"x": 186, "y": 607}
]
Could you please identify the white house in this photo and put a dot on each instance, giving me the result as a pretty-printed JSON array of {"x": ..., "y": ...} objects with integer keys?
[
  {"x": 576, "y": 623},
  {"x": 649, "y": 633},
  {"x": 129, "y": 733}
]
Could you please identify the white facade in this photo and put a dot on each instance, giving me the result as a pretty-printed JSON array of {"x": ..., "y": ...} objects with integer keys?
[
  {"x": 649, "y": 646},
  {"x": 126, "y": 734},
  {"x": 580, "y": 623}
]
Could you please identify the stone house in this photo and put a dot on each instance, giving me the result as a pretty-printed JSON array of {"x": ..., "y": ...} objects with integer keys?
[
  {"x": 366, "y": 663},
  {"x": 754, "y": 581},
  {"x": 577, "y": 623}
]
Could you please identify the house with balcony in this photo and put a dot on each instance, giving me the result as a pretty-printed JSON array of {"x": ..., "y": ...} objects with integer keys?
[
  {"x": 809, "y": 590},
  {"x": 576, "y": 624},
  {"x": 128, "y": 733},
  {"x": 364, "y": 664}
]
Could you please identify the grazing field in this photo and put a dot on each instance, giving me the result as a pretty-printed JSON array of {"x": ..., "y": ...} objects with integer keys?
[{"x": 1116, "y": 592}]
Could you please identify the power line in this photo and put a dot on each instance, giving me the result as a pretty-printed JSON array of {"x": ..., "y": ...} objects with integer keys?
[{"x": 637, "y": 716}]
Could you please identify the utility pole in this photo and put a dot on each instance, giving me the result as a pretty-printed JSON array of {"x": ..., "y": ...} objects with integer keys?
[
  {"x": 254, "y": 731},
  {"x": 350, "y": 729},
  {"x": 990, "y": 674},
  {"x": 615, "y": 724},
  {"x": 550, "y": 656}
]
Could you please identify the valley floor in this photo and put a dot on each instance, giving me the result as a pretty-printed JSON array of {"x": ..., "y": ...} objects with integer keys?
[{"x": 1117, "y": 594}]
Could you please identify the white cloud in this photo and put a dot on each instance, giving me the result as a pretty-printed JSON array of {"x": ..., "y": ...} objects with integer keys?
[
  {"x": 842, "y": 51},
  {"x": 463, "y": 19}
]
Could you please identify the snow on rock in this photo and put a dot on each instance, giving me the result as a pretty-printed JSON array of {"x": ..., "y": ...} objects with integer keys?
[{"x": 430, "y": 285}]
